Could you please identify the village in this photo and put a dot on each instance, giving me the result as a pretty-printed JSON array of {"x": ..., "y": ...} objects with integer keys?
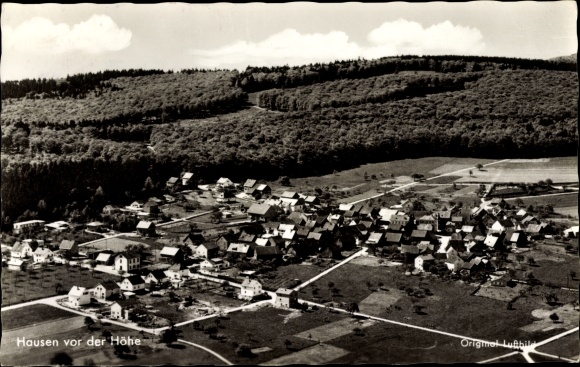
[{"x": 256, "y": 231}]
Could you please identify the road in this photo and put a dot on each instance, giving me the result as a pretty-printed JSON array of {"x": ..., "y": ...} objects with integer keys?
[
  {"x": 353, "y": 256},
  {"x": 427, "y": 179}
]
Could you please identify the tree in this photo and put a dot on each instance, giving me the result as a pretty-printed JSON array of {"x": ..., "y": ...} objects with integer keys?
[
  {"x": 357, "y": 331},
  {"x": 169, "y": 336},
  {"x": 57, "y": 287},
  {"x": 572, "y": 274},
  {"x": 287, "y": 343},
  {"x": 330, "y": 285},
  {"x": 418, "y": 308},
  {"x": 284, "y": 181},
  {"x": 531, "y": 260},
  {"x": 551, "y": 298},
  {"x": 244, "y": 350},
  {"x": 121, "y": 350},
  {"x": 520, "y": 258},
  {"x": 107, "y": 335},
  {"x": 519, "y": 202},
  {"x": 479, "y": 166},
  {"x": 352, "y": 308},
  {"x": 554, "y": 317},
  {"x": 470, "y": 173},
  {"x": 61, "y": 359},
  {"x": 93, "y": 265},
  {"x": 89, "y": 322}
]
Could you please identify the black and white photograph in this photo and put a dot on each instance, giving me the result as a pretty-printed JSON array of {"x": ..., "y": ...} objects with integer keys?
[{"x": 289, "y": 183}]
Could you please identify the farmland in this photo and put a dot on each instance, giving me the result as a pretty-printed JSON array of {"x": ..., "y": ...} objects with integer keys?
[
  {"x": 31, "y": 315},
  {"x": 567, "y": 347},
  {"x": 266, "y": 327},
  {"x": 19, "y": 287},
  {"x": 150, "y": 352}
]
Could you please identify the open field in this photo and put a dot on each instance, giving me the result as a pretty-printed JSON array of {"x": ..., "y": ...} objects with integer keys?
[
  {"x": 116, "y": 244},
  {"x": 558, "y": 272},
  {"x": 383, "y": 171},
  {"x": 150, "y": 352},
  {"x": 516, "y": 358},
  {"x": 385, "y": 343},
  {"x": 266, "y": 327},
  {"x": 559, "y": 170},
  {"x": 568, "y": 347},
  {"x": 284, "y": 276},
  {"x": 559, "y": 200},
  {"x": 316, "y": 354},
  {"x": 31, "y": 315},
  {"x": 19, "y": 286},
  {"x": 471, "y": 316},
  {"x": 567, "y": 210}
]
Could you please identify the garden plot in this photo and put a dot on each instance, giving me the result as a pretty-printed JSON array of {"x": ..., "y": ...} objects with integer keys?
[
  {"x": 317, "y": 354},
  {"x": 500, "y": 293},
  {"x": 334, "y": 330},
  {"x": 376, "y": 303}
]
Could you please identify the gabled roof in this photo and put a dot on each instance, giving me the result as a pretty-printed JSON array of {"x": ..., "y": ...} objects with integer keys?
[
  {"x": 250, "y": 283},
  {"x": 66, "y": 245},
  {"x": 302, "y": 231},
  {"x": 135, "y": 279},
  {"x": 427, "y": 257},
  {"x": 42, "y": 251},
  {"x": 209, "y": 246},
  {"x": 127, "y": 255},
  {"x": 240, "y": 248},
  {"x": 386, "y": 214},
  {"x": 311, "y": 199},
  {"x": 247, "y": 237},
  {"x": 250, "y": 183},
  {"x": 345, "y": 207},
  {"x": 506, "y": 223},
  {"x": 289, "y": 195},
  {"x": 76, "y": 291},
  {"x": 375, "y": 237},
  {"x": 315, "y": 236},
  {"x": 157, "y": 274},
  {"x": 267, "y": 250},
  {"x": 491, "y": 241},
  {"x": 187, "y": 175},
  {"x": 145, "y": 225},
  {"x": 262, "y": 241},
  {"x": 285, "y": 292},
  {"x": 169, "y": 251},
  {"x": 286, "y": 227},
  {"x": 108, "y": 285},
  {"x": 127, "y": 303},
  {"x": 103, "y": 256},
  {"x": 394, "y": 237},
  {"x": 173, "y": 180},
  {"x": 418, "y": 234},
  {"x": 262, "y": 187},
  {"x": 467, "y": 229},
  {"x": 260, "y": 209},
  {"x": 409, "y": 249}
]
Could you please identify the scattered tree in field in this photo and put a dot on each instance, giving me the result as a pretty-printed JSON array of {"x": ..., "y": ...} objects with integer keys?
[
  {"x": 357, "y": 331},
  {"x": 89, "y": 362},
  {"x": 519, "y": 202},
  {"x": 61, "y": 359},
  {"x": 107, "y": 335},
  {"x": 287, "y": 343},
  {"x": 531, "y": 260},
  {"x": 169, "y": 336},
  {"x": 330, "y": 284},
  {"x": 510, "y": 306},
  {"x": 58, "y": 287},
  {"x": 572, "y": 274},
  {"x": 470, "y": 173},
  {"x": 520, "y": 258},
  {"x": 551, "y": 298},
  {"x": 479, "y": 166},
  {"x": 249, "y": 335},
  {"x": 89, "y": 322},
  {"x": 352, "y": 308},
  {"x": 121, "y": 349},
  {"x": 244, "y": 350},
  {"x": 554, "y": 317}
]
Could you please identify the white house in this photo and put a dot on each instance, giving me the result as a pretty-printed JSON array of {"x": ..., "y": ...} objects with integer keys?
[
  {"x": 106, "y": 289},
  {"x": 79, "y": 296},
  {"x": 212, "y": 264},
  {"x": 207, "y": 250},
  {"x": 23, "y": 250},
  {"x": 187, "y": 176},
  {"x": 225, "y": 182},
  {"x": 422, "y": 260},
  {"x": 250, "y": 289},
  {"x": 42, "y": 255},
  {"x": 126, "y": 262},
  {"x": 132, "y": 283},
  {"x": 16, "y": 264},
  {"x": 122, "y": 309}
]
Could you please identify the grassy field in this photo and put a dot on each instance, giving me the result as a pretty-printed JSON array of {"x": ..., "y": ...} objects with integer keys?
[
  {"x": 567, "y": 346},
  {"x": 117, "y": 244},
  {"x": 561, "y": 200},
  {"x": 150, "y": 352},
  {"x": 33, "y": 314},
  {"x": 285, "y": 276},
  {"x": 451, "y": 307},
  {"x": 385, "y": 343},
  {"x": 19, "y": 287},
  {"x": 266, "y": 327},
  {"x": 557, "y": 272},
  {"x": 383, "y": 171}
]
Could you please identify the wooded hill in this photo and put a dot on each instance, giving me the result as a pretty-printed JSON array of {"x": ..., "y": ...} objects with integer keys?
[{"x": 58, "y": 151}]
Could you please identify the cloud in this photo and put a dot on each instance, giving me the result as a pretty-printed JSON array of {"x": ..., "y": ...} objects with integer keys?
[
  {"x": 400, "y": 37},
  {"x": 286, "y": 47},
  {"x": 403, "y": 37},
  {"x": 41, "y": 36}
]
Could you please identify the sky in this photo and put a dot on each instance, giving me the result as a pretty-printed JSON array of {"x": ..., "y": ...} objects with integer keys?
[{"x": 55, "y": 40}]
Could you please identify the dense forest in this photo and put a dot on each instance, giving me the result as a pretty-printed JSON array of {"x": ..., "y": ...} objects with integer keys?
[{"x": 66, "y": 157}]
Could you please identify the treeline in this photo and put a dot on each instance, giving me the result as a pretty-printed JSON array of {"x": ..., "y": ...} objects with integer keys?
[
  {"x": 74, "y": 86},
  {"x": 347, "y": 92},
  {"x": 146, "y": 99},
  {"x": 255, "y": 79}
]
